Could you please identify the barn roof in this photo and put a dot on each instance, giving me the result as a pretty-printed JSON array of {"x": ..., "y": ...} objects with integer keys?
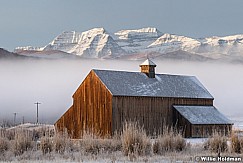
[
  {"x": 123, "y": 83},
  {"x": 202, "y": 114}
]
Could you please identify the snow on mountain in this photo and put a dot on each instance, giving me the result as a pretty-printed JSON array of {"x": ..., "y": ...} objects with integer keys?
[
  {"x": 218, "y": 47},
  {"x": 211, "y": 47},
  {"x": 96, "y": 43},
  {"x": 26, "y": 48},
  {"x": 227, "y": 40},
  {"x": 169, "y": 43},
  {"x": 64, "y": 42},
  {"x": 137, "y": 40},
  {"x": 138, "y": 33}
]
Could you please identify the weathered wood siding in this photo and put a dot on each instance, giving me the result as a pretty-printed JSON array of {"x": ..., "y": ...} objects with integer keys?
[
  {"x": 201, "y": 130},
  {"x": 66, "y": 122},
  {"x": 91, "y": 111},
  {"x": 151, "y": 112},
  {"x": 182, "y": 124}
]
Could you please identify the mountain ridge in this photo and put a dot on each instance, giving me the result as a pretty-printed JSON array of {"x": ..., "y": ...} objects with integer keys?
[
  {"x": 4, "y": 54},
  {"x": 98, "y": 43}
]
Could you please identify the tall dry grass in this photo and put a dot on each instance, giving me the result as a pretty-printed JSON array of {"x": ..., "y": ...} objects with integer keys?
[
  {"x": 95, "y": 144},
  {"x": 22, "y": 142},
  {"x": 169, "y": 141},
  {"x": 4, "y": 145},
  {"x": 46, "y": 144},
  {"x": 236, "y": 144},
  {"x": 135, "y": 140},
  {"x": 62, "y": 143},
  {"x": 217, "y": 143},
  {"x": 132, "y": 142}
]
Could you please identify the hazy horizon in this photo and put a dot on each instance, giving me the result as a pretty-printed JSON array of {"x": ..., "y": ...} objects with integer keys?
[{"x": 53, "y": 82}]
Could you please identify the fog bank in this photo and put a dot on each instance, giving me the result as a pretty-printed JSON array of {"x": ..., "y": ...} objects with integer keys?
[{"x": 53, "y": 82}]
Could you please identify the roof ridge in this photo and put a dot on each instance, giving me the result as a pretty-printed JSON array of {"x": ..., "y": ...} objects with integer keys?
[
  {"x": 127, "y": 83},
  {"x": 142, "y": 72}
]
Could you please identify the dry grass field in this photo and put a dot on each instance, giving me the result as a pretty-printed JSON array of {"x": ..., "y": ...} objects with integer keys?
[{"x": 40, "y": 143}]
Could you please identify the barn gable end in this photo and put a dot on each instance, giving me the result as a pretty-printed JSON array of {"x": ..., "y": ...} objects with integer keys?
[{"x": 92, "y": 108}]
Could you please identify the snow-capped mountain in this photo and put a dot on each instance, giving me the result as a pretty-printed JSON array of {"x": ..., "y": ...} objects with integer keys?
[
  {"x": 137, "y": 43},
  {"x": 94, "y": 43},
  {"x": 221, "y": 46},
  {"x": 169, "y": 43},
  {"x": 64, "y": 42}
]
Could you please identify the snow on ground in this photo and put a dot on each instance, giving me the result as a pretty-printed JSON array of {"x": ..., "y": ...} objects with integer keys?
[
  {"x": 196, "y": 141},
  {"x": 32, "y": 126},
  {"x": 238, "y": 124}
]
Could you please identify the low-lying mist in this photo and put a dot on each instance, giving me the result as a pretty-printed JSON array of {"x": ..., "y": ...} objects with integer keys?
[{"x": 53, "y": 82}]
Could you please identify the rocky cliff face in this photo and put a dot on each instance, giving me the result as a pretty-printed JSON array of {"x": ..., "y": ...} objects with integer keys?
[
  {"x": 64, "y": 42},
  {"x": 94, "y": 43}
]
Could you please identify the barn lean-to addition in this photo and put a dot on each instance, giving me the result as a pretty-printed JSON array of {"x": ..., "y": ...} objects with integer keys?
[{"x": 106, "y": 99}]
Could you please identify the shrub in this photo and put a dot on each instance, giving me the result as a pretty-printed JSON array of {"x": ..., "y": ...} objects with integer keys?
[
  {"x": 134, "y": 140},
  {"x": 62, "y": 143},
  {"x": 236, "y": 144},
  {"x": 46, "y": 145},
  {"x": 9, "y": 134},
  {"x": 169, "y": 141},
  {"x": 4, "y": 145},
  {"x": 94, "y": 144},
  {"x": 179, "y": 142},
  {"x": 22, "y": 142},
  {"x": 217, "y": 143},
  {"x": 59, "y": 144}
]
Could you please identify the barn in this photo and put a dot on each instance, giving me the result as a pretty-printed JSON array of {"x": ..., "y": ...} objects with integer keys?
[{"x": 106, "y": 99}]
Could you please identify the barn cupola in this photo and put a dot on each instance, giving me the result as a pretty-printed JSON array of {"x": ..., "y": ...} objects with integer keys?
[{"x": 148, "y": 67}]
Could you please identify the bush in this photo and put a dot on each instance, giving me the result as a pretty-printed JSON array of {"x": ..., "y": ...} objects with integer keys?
[
  {"x": 22, "y": 142},
  {"x": 236, "y": 144},
  {"x": 169, "y": 141},
  {"x": 134, "y": 140},
  {"x": 62, "y": 143},
  {"x": 217, "y": 143},
  {"x": 180, "y": 142},
  {"x": 4, "y": 145},
  {"x": 46, "y": 145},
  {"x": 8, "y": 134},
  {"x": 91, "y": 143}
]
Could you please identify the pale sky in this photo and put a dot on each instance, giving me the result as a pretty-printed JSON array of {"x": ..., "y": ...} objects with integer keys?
[{"x": 37, "y": 22}]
